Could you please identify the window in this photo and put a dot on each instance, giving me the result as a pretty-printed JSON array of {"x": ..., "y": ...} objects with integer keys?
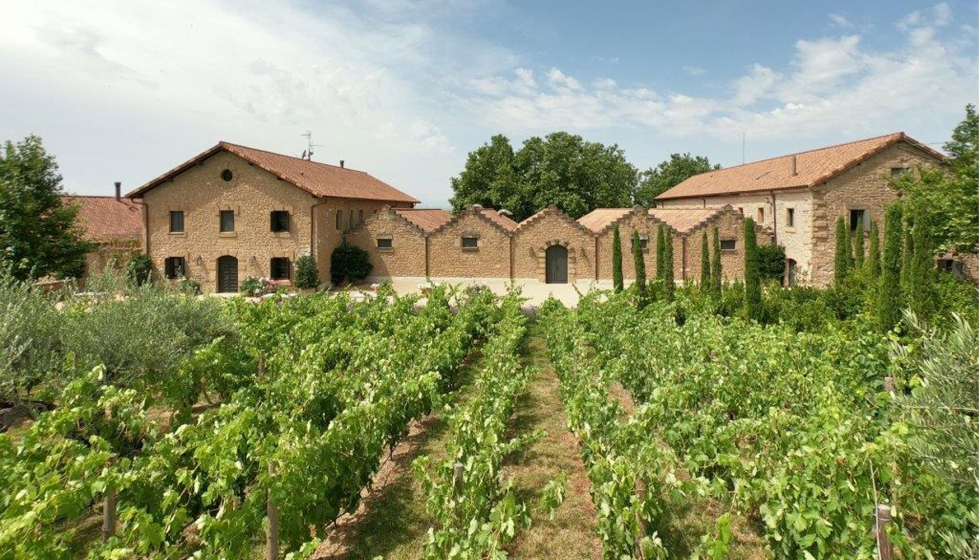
[
  {"x": 176, "y": 221},
  {"x": 384, "y": 244},
  {"x": 727, "y": 244},
  {"x": 471, "y": 243},
  {"x": 953, "y": 267},
  {"x": 360, "y": 216},
  {"x": 227, "y": 221},
  {"x": 338, "y": 219},
  {"x": 790, "y": 217},
  {"x": 899, "y": 171},
  {"x": 279, "y": 221},
  {"x": 173, "y": 267},
  {"x": 643, "y": 244},
  {"x": 279, "y": 268},
  {"x": 350, "y": 220},
  {"x": 862, "y": 218},
  {"x": 760, "y": 215},
  {"x": 741, "y": 211},
  {"x": 227, "y": 175}
]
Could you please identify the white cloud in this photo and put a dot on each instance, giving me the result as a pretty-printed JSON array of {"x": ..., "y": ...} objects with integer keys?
[
  {"x": 841, "y": 21},
  {"x": 829, "y": 85},
  {"x": 693, "y": 70}
]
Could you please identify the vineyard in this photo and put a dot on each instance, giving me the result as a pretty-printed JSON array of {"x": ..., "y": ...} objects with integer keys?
[{"x": 686, "y": 433}]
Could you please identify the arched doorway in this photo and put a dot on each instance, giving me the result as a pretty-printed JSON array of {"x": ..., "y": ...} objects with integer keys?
[
  {"x": 556, "y": 265},
  {"x": 790, "y": 272},
  {"x": 227, "y": 274}
]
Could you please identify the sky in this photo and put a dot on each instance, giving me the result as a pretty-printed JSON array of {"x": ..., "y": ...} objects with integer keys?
[{"x": 124, "y": 91}]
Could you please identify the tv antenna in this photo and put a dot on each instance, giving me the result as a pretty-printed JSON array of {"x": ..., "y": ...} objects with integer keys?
[{"x": 308, "y": 153}]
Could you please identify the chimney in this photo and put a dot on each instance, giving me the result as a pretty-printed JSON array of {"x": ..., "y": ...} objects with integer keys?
[
  {"x": 341, "y": 164},
  {"x": 118, "y": 190},
  {"x": 794, "y": 166}
]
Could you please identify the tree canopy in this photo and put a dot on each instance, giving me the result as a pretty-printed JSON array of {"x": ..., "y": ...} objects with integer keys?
[
  {"x": 38, "y": 234},
  {"x": 657, "y": 180},
  {"x": 561, "y": 169},
  {"x": 948, "y": 197}
]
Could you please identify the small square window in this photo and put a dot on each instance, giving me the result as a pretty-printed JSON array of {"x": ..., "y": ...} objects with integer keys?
[
  {"x": 728, "y": 245},
  {"x": 760, "y": 215},
  {"x": 899, "y": 171},
  {"x": 384, "y": 244},
  {"x": 176, "y": 221},
  {"x": 862, "y": 218},
  {"x": 741, "y": 211},
  {"x": 279, "y": 268},
  {"x": 279, "y": 221},
  {"x": 173, "y": 267},
  {"x": 790, "y": 217},
  {"x": 470, "y": 243},
  {"x": 227, "y": 221}
]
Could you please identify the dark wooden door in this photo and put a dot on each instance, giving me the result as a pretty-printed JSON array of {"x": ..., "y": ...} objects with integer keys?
[
  {"x": 227, "y": 274},
  {"x": 556, "y": 265}
]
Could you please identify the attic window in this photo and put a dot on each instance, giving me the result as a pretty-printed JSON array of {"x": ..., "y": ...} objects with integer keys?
[
  {"x": 227, "y": 175},
  {"x": 899, "y": 171},
  {"x": 470, "y": 243},
  {"x": 727, "y": 244},
  {"x": 384, "y": 244},
  {"x": 644, "y": 243}
]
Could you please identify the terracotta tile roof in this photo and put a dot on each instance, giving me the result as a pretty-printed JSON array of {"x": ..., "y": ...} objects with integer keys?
[
  {"x": 812, "y": 169},
  {"x": 683, "y": 220},
  {"x": 428, "y": 219},
  {"x": 106, "y": 219},
  {"x": 319, "y": 179},
  {"x": 500, "y": 219},
  {"x": 601, "y": 218}
]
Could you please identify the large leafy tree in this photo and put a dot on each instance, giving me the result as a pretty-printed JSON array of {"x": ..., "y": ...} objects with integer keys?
[
  {"x": 657, "y": 180},
  {"x": 38, "y": 234},
  {"x": 948, "y": 197},
  {"x": 560, "y": 169}
]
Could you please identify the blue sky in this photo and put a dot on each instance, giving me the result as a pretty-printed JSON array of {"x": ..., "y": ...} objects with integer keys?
[{"x": 125, "y": 91}]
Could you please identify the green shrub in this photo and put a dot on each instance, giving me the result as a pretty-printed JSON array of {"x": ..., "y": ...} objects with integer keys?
[
  {"x": 873, "y": 262},
  {"x": 350, "y": 263},
  {"x": 842, "y": 257},
  {"x": 188, "y": 286},
  {"x": 252, "y": 287},
  {"x": 139, "y": 269},
  {"x": 30, "y": 341},
  {"x": 716, "y": 272},
  {"x": 307, "y": 277},
  {"x": 772, "y": 262}
]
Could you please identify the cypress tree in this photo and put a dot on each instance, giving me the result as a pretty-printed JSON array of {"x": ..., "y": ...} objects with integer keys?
[
  {"x": 641, "y": 267},
  {"x": 753, "y": 286},
  {"x": 922, "y": 277},
  {"x": 716, "y": 274},
  {"x": 617, "y": 261},
  {"x": 660, "y": 252},
  {"x": 908, "y": 250},
  {"x": 873, "y": 262},
  {"x": 669, "y": 264},
  {"x": 842, "y": 259},
  {"x": 859, "y": 246},
  {"x": 705, "y": 264},
  {"x": 889, "y": 288}
]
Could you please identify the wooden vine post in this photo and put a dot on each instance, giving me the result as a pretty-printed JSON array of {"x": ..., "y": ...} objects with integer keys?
[
  {"x": 272, "y": 531},
  {"x": 640, "y": 488},
  {"x": 109, "y": 504},
  {"x": 458, "y": 479},
  {"x": 883, "y": 517}
]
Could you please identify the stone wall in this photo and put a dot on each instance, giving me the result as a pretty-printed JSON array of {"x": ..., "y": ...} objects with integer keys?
[
  {"x": 406, "y": 258},
  {"x": 201, "y": 194},
  {"x": 552, "y": 227},
  {"x": 337, "y": 218},
  {"x": 637, "y": 220},
  {"x": 491, "y": 258},
  {"x": 731, "y": 225},
  {"x": 862, "y": 187}
]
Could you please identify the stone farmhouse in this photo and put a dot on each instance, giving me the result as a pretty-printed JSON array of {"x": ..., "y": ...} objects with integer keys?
[
  {"x": 113, "y": 224},
  {"x": 233, "y": 212},
  {"x": 800, "y": 196}
]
